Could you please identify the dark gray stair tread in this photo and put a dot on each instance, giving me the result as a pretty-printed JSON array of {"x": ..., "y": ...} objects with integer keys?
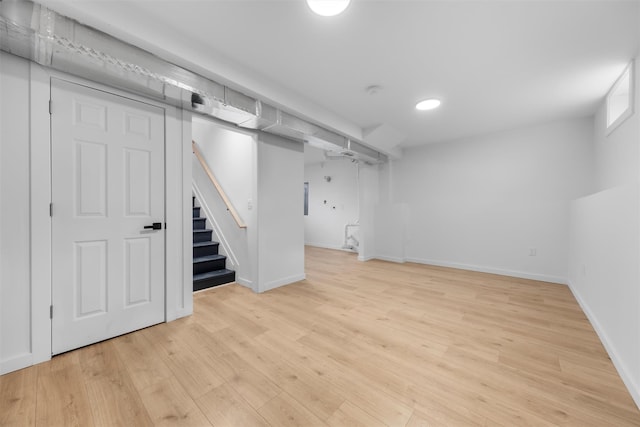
[
  {"x": 210, "y": 274},
  {"x": 213, "y": 279},
  {"x": 201, "y": 244},
  {"x": 202, "y": 235},
  {"x": 209, "y": 258},
  {"x": 199, "y": 223}
]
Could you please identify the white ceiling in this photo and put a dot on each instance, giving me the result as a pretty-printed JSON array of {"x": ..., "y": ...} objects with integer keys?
[{"x": 494, "y": 64}]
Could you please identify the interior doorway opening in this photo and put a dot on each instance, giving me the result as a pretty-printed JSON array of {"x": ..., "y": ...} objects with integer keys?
[{"x": 332, "y": 218}]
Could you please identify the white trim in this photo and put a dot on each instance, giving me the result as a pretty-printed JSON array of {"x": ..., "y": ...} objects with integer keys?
[
  {"x": 178, "y": 250},
  {"x": 40, "y": 227},
  {"x": 502, "y": 272},
  {"x": 178, "y": 296},
  {"x": 253, "y": 233},
  {"x": 172, "y": 163},
  {"x": 365, "y": 258},
  {"x": 187, "y": 215},
  {"x": 40, "y": 197},
  {"x": 630, "y": 69},
  {"x": 334, "y": 247},
  {"x": 391, "y": 259},
  {"x": 281, "y": 282},
  {"x": 244, "y": 282},
  {"x": 623, "y": 371},
  {"x": 19, "y": 362}
]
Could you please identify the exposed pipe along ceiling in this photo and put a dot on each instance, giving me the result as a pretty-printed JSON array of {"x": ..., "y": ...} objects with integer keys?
[{"x": 39, "y": 34}]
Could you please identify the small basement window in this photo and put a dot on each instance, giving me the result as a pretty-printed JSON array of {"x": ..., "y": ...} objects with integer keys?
[{"x": 620, "y": 99}]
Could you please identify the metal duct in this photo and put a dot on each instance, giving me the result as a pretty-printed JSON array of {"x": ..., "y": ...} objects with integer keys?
[
  {"x": 41, "y": 35},
  {"x": 266, "y": 115},
  {"x": 364, "y": 151},
  {"x": 290, "y": 126}
]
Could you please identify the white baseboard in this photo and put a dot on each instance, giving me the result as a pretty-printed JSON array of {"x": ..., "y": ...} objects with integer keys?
[
  {"x": 245, "y": 282},
  {"x": 17, "y": 362},
  {"x": 391, "y": 259},
  {"x": 627, "y": 379},
  {"x": 491, "y": 270},
  {"x": 365, "y": 258},
  {"x": 281, "y": 282},
  {"x": 325, "y": 246}
]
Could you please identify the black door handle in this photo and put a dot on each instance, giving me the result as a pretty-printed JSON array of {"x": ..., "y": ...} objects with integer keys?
[{"x": 154, "y": 226}]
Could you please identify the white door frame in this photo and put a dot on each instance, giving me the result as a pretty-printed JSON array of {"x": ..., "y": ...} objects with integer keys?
[{"x": 178, "y": 237}]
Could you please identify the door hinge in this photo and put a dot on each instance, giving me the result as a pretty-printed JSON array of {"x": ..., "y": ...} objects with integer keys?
[
  {"x": 165, "y": 225},
  {"x": 49, "y": 106},
  {"x": 50, "y": 209},
  {"x": 50, "y": 312}
]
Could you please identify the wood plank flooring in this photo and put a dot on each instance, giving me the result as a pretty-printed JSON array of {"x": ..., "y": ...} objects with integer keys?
[{"x": 356, "y": 344}]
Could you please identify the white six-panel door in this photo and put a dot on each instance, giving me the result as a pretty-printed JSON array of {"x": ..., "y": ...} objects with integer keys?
[{"x": 107, "y": 155}]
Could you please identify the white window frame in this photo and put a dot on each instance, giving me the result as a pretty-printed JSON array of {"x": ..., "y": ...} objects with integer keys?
[{"x": 631, "y": 101}]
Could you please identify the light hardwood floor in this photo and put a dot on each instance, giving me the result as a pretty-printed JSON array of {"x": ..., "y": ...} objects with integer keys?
[{"x": 356, "y": 344}]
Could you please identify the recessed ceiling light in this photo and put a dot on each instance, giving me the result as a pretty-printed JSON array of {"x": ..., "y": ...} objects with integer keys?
[
  {"x": 328, "y": 7},
  {"x": 428, "y": 104}
]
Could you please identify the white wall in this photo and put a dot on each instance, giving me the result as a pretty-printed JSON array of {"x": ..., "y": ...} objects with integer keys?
[
  {"x": 605, "y": 244},
  {"x": 483, "y": 203},
  {"x": 391, "y": 222},
  {"x": 280, "y": 211},
  {"x": 332, "y": 204},
  {"x": 369, "y": 195},
  {"x": 604, "y": 273},
  {"x": 25, "y": 225},
  {"x": 232, "y": 157},
  {"x": 15, "y": 289}
]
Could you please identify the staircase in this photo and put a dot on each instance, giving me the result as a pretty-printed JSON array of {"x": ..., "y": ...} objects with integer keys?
[{"x": 208, "y": 266}]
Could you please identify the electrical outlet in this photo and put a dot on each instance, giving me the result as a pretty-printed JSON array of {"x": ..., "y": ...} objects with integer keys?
[{"x": 533, "y": 251}]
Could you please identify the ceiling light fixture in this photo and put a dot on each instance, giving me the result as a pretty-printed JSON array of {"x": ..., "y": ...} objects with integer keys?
[
  {"x": 428, "y": 104},
  {"x": 328, "y": 7}
]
